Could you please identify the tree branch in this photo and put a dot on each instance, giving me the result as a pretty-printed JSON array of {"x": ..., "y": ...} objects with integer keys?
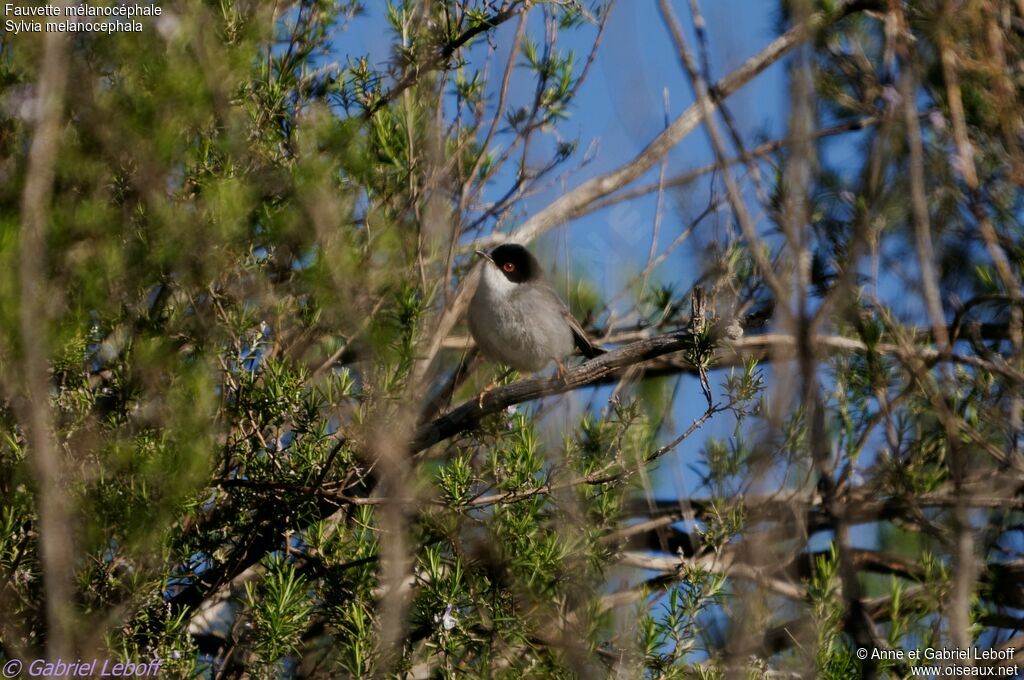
[{"x": 467, "y": 415}]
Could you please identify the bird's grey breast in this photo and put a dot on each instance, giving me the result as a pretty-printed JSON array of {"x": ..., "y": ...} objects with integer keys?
[{"x": 519, "y": 325}]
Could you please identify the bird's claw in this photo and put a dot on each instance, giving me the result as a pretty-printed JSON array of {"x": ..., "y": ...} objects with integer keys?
[
  {"x": 483, "y": 393},
  {"x": 561, "y": 371}
]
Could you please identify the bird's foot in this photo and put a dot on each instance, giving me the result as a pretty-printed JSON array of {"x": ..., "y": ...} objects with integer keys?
[
  {"x": 483, "y": 393},
  {"x": 561, "y": 371}
]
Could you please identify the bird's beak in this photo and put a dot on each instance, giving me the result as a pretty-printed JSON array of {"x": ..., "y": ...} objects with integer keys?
[{"x": 485, "y": 256}]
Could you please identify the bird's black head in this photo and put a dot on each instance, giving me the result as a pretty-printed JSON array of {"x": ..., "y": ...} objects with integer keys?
[{"x": 516, "y": 263}]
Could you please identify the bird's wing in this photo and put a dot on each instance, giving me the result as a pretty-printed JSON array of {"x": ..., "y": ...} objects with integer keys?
[{"x": 583, "y": 342}]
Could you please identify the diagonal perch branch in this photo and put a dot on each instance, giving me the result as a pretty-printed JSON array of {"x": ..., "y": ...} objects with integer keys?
[{"x": 467, "y": 415}]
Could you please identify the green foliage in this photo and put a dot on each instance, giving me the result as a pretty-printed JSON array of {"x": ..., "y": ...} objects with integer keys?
[
  {"x": 279, "y": 608},
  {"x": 834, "y": 658}
]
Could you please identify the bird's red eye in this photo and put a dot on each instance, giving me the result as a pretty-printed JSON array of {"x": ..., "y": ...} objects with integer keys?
[{"x": 508, "y": 267}]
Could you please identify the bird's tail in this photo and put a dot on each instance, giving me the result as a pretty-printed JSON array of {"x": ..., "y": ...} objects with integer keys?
[{"x": 586, "y": 346}]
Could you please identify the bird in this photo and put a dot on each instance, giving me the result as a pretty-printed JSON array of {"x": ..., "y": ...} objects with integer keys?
[{"x": 517, "y": 318}]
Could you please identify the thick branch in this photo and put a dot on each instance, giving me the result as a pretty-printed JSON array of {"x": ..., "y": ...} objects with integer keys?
[{"x": 467, "y": 415}]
